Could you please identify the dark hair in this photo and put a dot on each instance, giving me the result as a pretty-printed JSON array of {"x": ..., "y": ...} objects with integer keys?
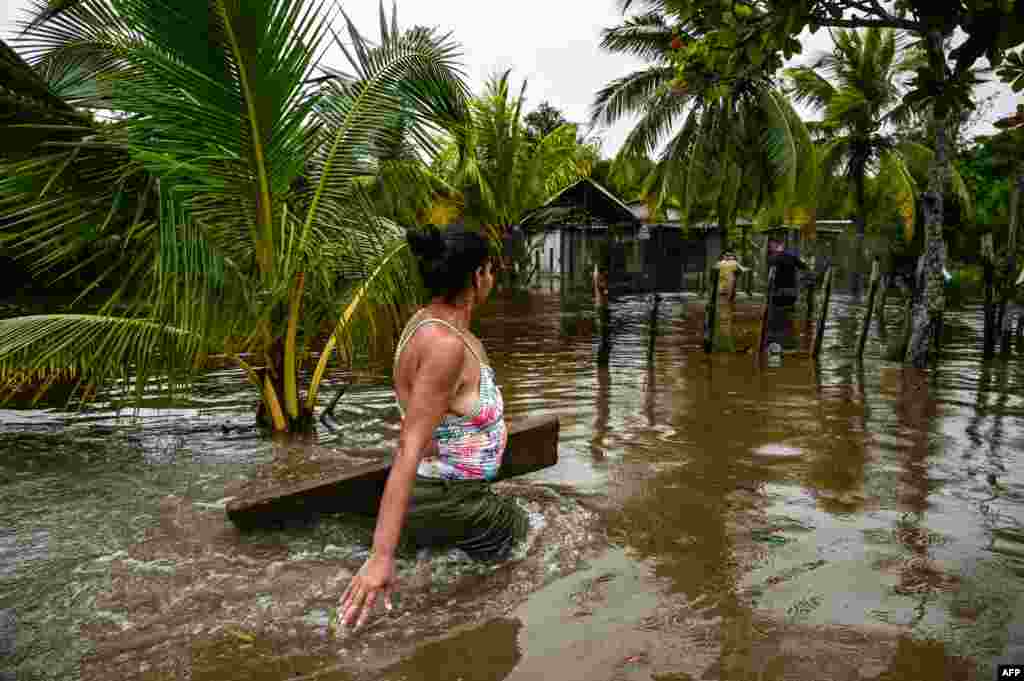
[{"x": 448, "y": 259}]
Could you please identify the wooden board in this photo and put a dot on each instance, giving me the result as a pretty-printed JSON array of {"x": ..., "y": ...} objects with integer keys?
[{"x": 354, "y": 482}]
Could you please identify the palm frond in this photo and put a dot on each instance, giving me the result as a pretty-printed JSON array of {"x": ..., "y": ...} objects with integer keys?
[
  {"x": 628, "y": 95},
  {"x": 77, "y": 45},
  {"x": 674, "y": 160},
  {"x": 96, "y": 348},
  {"x": 659, "y": 116},
  {"x": 378, "y": 278},
  {"x": 229, "y": 176},
  {"x": 412, "y": 75},
  {"x": 500, "y": 172},
  {"x": 897, "y": 187},
  {"x": 779, "y": 140},
  {"x": 647, "y": 36},
  {"x": 808, "y": 87}
]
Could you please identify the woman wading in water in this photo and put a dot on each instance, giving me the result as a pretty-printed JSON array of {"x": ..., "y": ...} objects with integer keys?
[{"x": 453, "y": 427}]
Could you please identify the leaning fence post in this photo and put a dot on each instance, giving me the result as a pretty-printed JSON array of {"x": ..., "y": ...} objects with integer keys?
[
  {"x": 819, "y": 331},
  {"x": 711, "y": 313},
  {"x": 811, "y": 295},
  {"x": 866, "y": 324},
  {"x": 762, "y": 337}
]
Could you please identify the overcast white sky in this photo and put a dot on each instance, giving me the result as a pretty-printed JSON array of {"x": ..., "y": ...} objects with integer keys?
[{"x": 551, "y": 43}]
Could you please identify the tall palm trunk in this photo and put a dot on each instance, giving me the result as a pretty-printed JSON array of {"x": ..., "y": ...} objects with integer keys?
[
  {"x": 930, "y": 294},
  {"x": 856, "y": 276}
]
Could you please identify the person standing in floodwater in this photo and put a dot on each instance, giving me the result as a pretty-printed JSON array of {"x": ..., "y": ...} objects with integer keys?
[
  {"x": 453, "y": 433},
  {"x": 783, "y": 295},
  {"x": 727, "y": 268}
]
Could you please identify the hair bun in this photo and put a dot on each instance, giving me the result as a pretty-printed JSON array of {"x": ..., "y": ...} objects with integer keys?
[{"x": 427, "y": 244}]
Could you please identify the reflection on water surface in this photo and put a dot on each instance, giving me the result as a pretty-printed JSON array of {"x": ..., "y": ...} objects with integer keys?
[{"x": 709, "y": 518}]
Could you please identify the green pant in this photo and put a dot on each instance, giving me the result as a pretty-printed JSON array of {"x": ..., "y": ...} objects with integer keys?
[
  {"x": 725, "y": 340},
  {"x": 466, "y": 514}
]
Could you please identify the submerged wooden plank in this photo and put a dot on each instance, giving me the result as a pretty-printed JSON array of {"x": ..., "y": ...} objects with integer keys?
[{"x": 352, "y": 483}]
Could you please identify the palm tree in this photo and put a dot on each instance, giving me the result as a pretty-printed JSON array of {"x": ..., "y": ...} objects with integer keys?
[
  {"x": 858, "y": 87},
  {"x": 725, "y": 147},
  {"x": 225, "y": 194},
  {"x": 498, "y": 171}
]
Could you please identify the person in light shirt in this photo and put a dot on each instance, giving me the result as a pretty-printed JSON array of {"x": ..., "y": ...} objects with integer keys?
[{"x": 728, "y": 268}]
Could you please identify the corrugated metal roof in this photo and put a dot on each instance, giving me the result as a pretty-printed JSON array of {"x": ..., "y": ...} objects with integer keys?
[{"x": 616, "y": 202}]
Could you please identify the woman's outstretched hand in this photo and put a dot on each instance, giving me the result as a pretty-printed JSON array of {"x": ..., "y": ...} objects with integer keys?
[{"x": 376, "y": 577}]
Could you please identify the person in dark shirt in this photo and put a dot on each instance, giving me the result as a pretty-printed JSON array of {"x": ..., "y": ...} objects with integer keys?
[{"x": 785, "y": 289}]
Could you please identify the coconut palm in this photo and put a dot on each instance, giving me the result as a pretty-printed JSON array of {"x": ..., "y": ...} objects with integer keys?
[
  {"x": 496, "y": 171},
  {"x": 858, "y": 87},
  {"x": 500, "y": 171},
  {"x": 717, "y": 140},
  {"x": 225, "y": 195}
]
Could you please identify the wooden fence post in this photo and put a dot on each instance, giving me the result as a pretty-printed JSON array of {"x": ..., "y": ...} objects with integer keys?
[
  {"x": 883, "y": 294},
  {"x": 866, "y": 325},
  {"x": 711, "y": 314},
  {"x": 762, "y": 337},
  {"x": 819, "y": 332}
]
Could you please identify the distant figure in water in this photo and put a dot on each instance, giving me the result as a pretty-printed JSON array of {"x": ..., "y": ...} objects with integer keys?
[
  {"x": 727, "y": 267},
  {"x": 453, "y": 431},
  {"x": 600, "y": 280},
  {"x": 783, "y": 295}
]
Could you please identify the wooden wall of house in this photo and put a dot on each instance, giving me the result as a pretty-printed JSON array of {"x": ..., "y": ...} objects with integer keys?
[{"x": 658, "y": 263}]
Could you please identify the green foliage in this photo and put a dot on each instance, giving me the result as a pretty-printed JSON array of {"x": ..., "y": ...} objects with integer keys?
[
  {"x": 1012, "y": 71},
  {"x": 987, "y": 182},
  {"x": 543, "y": 121},
  {"x": 857, "y": 89},
  {"x": 739, "y": 38},
  {"x": 729, "y": 146},
  {"x": 498, "y": 170},
  {"x": 228, "y": 195},
  {"x": 725, "y": 46}
]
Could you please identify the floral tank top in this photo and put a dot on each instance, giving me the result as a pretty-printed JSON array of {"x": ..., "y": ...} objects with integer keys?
[{"x": 469, "y": 447}]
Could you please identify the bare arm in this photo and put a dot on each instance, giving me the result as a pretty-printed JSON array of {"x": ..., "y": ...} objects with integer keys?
[
  {"x": 432, "y": 393},
  {"x": 434, "y": 387}
]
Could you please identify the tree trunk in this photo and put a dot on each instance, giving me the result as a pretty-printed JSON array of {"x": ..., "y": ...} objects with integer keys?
[
  {"x": 272, "y": 378},
  {"x": 856, "y": 276},
  {"x": 1010, "y": 280},
  {"x": 989, "y": 265},
  {"x": 930, "y": 294}
]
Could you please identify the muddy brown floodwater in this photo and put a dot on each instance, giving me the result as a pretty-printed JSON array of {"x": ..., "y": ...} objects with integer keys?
[{"x": 709, "y": 519}]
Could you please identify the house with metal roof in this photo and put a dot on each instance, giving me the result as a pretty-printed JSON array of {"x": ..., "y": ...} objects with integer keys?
[{"x": 586, "y": 224}]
